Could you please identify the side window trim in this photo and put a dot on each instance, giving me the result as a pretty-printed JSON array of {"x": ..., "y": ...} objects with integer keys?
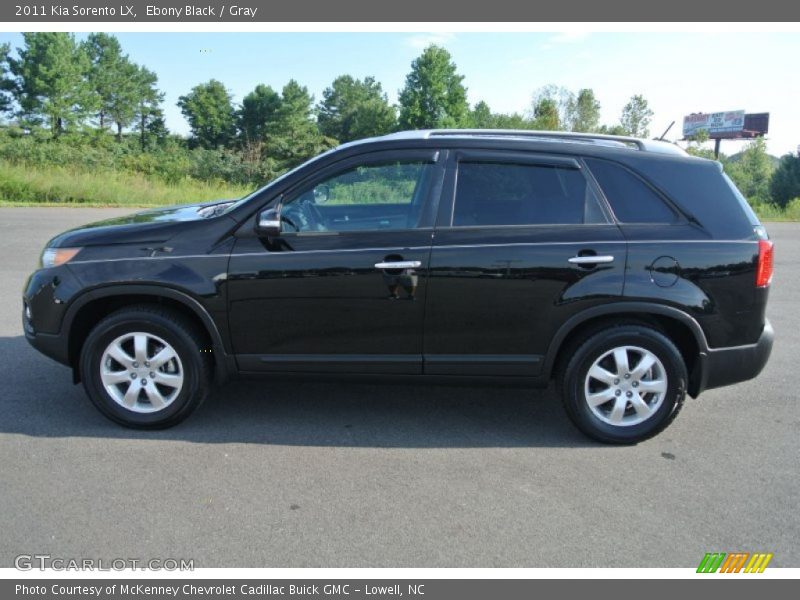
[
  {"x": 447, "y": 200},
  {"x": 520, "y": 158}
]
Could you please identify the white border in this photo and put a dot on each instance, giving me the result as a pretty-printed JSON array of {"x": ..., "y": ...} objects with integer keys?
[
  {"x": 397, "y": 573},
  {"x": 405, "y": 27}
]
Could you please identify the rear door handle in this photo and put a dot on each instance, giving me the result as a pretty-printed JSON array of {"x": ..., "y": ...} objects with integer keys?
[
  {"x": 591, "y": 260},
  {"x": 400, "y": 264}
]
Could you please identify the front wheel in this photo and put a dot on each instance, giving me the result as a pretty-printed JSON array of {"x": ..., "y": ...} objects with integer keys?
[
  {"x": 623, "y": 384},
  {"x": 143, "y": 367}
]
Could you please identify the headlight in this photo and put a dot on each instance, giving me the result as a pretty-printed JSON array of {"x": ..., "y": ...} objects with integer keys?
[{"x": 52, "y": 257}]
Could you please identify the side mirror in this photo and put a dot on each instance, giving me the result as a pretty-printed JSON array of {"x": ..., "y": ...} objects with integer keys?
[{"x": 269, "y": 222}]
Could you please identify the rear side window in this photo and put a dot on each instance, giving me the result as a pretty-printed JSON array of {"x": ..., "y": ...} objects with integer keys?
[
  {"x": 631, "y": 199},
  {"x": 490, "y": 194}
]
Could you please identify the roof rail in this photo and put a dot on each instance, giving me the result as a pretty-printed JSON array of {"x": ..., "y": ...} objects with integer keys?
[
  {"x": 655, "y": 146},
  {"x": 565, "y": 135},
  {"x": 620, "y": 141}
]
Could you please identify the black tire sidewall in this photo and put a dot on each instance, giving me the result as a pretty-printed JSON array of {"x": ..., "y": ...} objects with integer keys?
[
  {"x": 599, "y": 344},
  {"x": 183, "y": 344}
]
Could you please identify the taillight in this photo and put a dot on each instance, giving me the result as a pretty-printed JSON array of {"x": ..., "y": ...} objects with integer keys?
[{"x": 764, "y": 270}]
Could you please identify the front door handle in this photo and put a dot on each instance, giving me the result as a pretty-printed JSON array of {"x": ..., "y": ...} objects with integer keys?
[
  {"x": 591, "y": 260},
  {"x": 399, "y": 264}
]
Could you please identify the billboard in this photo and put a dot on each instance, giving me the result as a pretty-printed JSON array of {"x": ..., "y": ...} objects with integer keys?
[{"x": 714, "y": 123}]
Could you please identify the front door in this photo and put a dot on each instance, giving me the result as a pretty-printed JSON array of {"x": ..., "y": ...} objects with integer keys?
[
  {"x": 522, "y": 244},
  {"x": 343, "y": 288}
]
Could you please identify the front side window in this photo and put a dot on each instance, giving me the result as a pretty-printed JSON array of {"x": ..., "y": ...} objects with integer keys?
[
  {"x": 495, "y": 194},
  {"x": 367, "y": 197}
]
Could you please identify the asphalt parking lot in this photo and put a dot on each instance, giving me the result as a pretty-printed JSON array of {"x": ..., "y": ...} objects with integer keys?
[{"x": 296, "y": 474}]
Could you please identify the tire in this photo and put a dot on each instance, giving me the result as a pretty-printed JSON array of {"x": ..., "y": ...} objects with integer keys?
[
  {"x": 622, "y": 410},
  {"x": 117, "y": 383}
]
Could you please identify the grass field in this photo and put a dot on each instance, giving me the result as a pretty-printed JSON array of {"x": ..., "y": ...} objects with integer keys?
[{"x": 23, "y": 185}]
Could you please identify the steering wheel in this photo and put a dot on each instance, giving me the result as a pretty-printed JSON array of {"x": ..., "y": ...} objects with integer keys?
[
  {"x": 290, "y": 223},
  {"x": 314, "y": 216}
]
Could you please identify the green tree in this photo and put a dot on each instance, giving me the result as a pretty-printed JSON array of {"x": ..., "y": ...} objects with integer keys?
[
  {"x": 551, "y": 108},
  {"x": 511, "y": 121},
  {"x": 293, "y": 135},
  {"x": 695, "y": 147},
  {"x": 636, "y": 117},
  {"x": 481, "y": 117},
  {"x": 6, "y": 82},
  {"x": 612, "y": 130},
  {"x": 785, "y": 184},
  {"x": 352, "y": 109},
  {"x": 52, "y": 80},
  {"x": 148, "y": 113},
  {"x": 259, "y": 109},
  {"x": 584, "y": 112},
  {"x": 209, "y": 110},
  {"x": 545, "y": 115},
  {"x": 111, "y": 77},
  {"x": 751, "y": 171},
  {"x": 125, "y": 101},
  {"x": 434, "y": 95}
]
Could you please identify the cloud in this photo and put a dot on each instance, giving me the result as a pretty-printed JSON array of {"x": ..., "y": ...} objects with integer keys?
[{"x": 420, "y": 41}]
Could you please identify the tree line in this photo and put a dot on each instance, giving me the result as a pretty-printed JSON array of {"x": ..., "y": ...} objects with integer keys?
[{"x": 60, "y": 85}]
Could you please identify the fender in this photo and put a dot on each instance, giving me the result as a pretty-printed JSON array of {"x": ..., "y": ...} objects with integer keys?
[
  {"x": 224, "y": 360},
  {"x": 619, "y": 308}
]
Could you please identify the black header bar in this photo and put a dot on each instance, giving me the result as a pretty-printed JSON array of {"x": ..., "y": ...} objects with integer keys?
[{"x": 261, "y": 11}]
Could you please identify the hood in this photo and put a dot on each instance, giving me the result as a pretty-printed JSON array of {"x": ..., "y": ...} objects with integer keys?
[{"x": 153, "y": 225}]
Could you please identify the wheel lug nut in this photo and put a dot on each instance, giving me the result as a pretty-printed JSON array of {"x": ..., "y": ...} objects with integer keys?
[
  {"x": 618, "y": 392},
  {"x": 616, "y": 381},
  {"x": 133, "y": 375},
  {"x": 144, "y": 382},
  {"x": 635, "y": 384},
  {"x": 152, "y": 375},
  {"x": 627, "y": 375},
  {"x": 629, "y": 394},
  {"x": 146, "y": 364},
  {"x": 135, "y": 365}
]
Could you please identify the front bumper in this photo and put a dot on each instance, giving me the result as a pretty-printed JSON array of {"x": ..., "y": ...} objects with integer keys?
[
  {"x": 45, "y": 299},
  {"x": 52, "y": 345},
  {"x": 725, "y": 366}
]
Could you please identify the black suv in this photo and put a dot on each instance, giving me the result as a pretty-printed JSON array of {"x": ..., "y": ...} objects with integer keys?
[{"x": 627, "y": 271}]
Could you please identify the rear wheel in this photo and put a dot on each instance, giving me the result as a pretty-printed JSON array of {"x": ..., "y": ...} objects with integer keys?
[
  {"x": 623, "y": 384},
  {"x": 143, "y": 367}
]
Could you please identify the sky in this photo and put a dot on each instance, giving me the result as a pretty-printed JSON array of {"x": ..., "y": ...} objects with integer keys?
[{"x": 678, "y": 73}]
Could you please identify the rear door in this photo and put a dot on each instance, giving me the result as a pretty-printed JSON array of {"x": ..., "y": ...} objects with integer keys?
[{"x": 522, "y": 243}]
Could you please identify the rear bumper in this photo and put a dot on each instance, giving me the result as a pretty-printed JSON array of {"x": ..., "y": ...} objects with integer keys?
[{"x": 726, "y": 366}]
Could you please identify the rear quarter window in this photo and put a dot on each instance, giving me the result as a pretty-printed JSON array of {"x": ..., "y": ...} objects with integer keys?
[{"x": 631, "y": 199}]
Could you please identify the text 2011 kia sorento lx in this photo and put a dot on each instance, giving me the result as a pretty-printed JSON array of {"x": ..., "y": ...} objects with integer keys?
[{"x": 627, "y": 271}]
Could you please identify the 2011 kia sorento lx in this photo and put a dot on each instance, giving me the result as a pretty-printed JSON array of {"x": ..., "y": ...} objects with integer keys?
[{"x": 627, "y": 271}]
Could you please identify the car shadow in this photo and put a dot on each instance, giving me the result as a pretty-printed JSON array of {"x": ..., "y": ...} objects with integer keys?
[{"x": 40, "y": 400}]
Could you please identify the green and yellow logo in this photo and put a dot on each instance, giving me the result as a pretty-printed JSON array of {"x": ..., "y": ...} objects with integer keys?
[{"x": 720, "y": 562}]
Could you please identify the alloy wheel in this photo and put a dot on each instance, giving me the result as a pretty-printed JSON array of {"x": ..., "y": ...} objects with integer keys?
[
  {"x": 141, "y": 372},
  {"x": 625, "y": 386}
]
